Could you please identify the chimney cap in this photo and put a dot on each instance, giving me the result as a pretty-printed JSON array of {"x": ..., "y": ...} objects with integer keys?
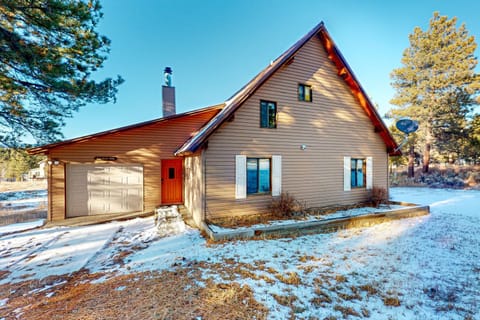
[{"x": 167, "y": 73}]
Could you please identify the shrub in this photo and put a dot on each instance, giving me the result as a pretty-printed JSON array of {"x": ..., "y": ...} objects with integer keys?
[
  {"x": 286, "y": 206},
  {"x": 378, "y": 196}
]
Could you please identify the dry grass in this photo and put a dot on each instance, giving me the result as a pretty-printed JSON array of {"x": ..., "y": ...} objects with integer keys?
[
  {"x": 291, "y": 278},
  {"x": 246, "y": 221},
  {"x": 6, "y": 186},
  {"x": 369, "y": 288},
  {"x": 149, "y": 295},
  {"x": 286, "y": 301},
  {"x": 391, "y": 301},
  {"x": 321, "y": 298},
  {"x": 321, "y": 211},
  {"x": 346, "y": 311}
]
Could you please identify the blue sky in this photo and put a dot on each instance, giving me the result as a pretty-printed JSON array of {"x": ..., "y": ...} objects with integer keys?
[{"x": 215, "y": 47}]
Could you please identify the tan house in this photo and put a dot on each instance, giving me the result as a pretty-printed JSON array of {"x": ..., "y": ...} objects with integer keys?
[{"x": 303, "y": 125}]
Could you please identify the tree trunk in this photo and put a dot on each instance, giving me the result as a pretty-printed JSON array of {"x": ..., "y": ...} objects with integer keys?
[
  {"x": 411, "y": 162},
  {"x": 426, "y": 157}
]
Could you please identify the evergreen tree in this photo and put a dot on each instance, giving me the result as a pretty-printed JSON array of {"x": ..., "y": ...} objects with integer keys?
[
  {"x": 437, "y": 84},
  {"x": 17, "y": 162},
  {"x": 48, "y": 51},
  {"x": 473, "y": 145}
]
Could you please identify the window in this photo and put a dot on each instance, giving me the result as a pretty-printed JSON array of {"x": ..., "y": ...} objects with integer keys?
[
  {"x": 304, "y": 93},
  {"x": 258, "y": 175},
  {"x": 268, "y": 114},
  {"x": 358, "y": 176},
  {"x": 171, "y": 173}
]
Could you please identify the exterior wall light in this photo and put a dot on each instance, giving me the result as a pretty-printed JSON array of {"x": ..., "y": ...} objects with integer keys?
[
  {"x": 54, "y": 162},
  {"x": 303, "y": 147}
]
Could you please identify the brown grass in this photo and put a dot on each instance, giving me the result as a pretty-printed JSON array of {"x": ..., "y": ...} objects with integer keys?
[
  {"x": 285, "y": 300},
  {"x": 291, "y": 278},
  {"x": 321, "y": 297},
  {"x": 369, "y": 288},
  {"x": 391, "y": 301},
  {"x": 149, "y": 295},
  {"x": 346, "y": 311},
  {"x": 6, "y": 186}
]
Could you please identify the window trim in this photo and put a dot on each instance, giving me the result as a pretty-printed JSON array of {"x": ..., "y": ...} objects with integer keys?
[
  {"x": 258, "y": 176},
  {"x": 268, "y": 114},
  {"x": 303, "y": 85}
]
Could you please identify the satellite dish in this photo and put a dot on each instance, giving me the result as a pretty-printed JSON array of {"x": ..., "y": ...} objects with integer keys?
[{"x": 407, "y": 125}]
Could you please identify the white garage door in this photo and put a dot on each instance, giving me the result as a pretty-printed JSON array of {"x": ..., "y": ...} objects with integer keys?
[{"x": 100, "y": 189}]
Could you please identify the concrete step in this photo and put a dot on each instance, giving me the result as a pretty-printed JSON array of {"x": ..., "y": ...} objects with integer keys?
[{"x": 187, "y": 216}]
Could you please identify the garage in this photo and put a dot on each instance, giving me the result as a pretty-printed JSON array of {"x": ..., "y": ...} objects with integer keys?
[{"x": 95, "y": 189}]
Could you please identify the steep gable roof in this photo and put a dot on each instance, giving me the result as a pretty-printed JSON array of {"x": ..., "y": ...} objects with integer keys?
[
  {"x": 344, "y": 71},
  {"x": 209, "y": 112}
]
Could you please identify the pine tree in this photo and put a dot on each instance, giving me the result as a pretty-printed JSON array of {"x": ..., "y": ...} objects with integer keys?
[
  {"x": 48, "y": 52},
  {"x": 17, "y": 162},
  {"x": 473, "y": 144},
  {"x": 437, "y": 84}
]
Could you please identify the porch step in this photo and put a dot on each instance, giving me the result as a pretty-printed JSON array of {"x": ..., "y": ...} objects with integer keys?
[
  {"x": 187, "y": 216},
  {"x": 168, "y": 221}
]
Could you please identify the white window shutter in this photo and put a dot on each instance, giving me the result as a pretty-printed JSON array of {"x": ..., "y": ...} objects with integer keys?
[
  {"x": 347, "y": 178},
  {"x": 240, "y": 177},
  {"x": 369, "y": 173},
  {"x": 276, "y": 175}
]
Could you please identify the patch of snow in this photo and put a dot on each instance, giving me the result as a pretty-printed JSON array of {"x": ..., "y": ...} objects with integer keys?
[
  {"x": 169, "y": 221},
  {"x": 431, "y": 264},
  {"x": 71, "y": 250},
  {"x": 19, "y": 195},
  {"x": 3, "y": 302},
  {"x": 17, "y": 227}
]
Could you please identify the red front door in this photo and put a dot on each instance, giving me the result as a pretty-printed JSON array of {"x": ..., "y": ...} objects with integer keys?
[{"x": 172, "y": 181}]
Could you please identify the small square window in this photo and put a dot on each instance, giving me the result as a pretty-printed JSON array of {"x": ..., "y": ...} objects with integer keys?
[
  {"x": 304, "y": 93},
  {"x": 171, "y": 173},
  {"x": 268, "y": 114}
]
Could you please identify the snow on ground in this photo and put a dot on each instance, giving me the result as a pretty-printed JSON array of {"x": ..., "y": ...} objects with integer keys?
[
  {"x": 419, "y": 268},
  {"x": 22, "y": 199},
  {"x": 22, "y": 195},
  {"x": 17, "y": 227}
]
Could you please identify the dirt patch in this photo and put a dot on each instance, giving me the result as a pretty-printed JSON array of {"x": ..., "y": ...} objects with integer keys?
[{"x": 148, "y": 295}]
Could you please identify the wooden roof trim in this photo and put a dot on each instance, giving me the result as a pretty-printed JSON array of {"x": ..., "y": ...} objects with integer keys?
[
  {"x": 347, "y": 74},
  {"x": 344, "y": 70},
  {"x": 46, "y": 148}
]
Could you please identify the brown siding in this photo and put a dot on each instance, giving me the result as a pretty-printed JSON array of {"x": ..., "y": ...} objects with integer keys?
[
  {"x": 56, "y": 193},
  {"x": 194, "y": 187},
  {"x": 332, "y": 126},
  {"x": 144, "y": 145}
]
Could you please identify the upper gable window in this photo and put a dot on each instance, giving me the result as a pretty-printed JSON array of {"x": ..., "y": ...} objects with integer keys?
[
  {"x": 268, "y": 114},
  {"x": 304, "y": 93}
]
